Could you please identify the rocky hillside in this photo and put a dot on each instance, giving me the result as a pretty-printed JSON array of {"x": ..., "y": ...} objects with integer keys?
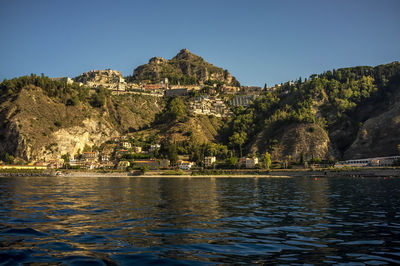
[
  {"x": 192, "y": 130},
  {"x": 378, "y": 135},
  {"x": 300, "y": 141},
  {"x": 185, "y": 68},
  {"x": 42, "y": 123},
  {"x": 344, "y": 113},
  {"x": 176, "y": 125}
]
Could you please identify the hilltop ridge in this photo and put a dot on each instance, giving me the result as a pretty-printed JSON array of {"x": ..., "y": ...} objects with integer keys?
[{"x": 185, "y": 68}]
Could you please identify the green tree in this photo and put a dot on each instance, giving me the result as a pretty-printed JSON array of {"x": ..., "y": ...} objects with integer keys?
[
  {"x": 232, "y": 162},
  {"x": 66, "y": 157},
  {"x": 172, "y": 154},
  {"x": 97, "y": 100},
  {"x": 197, "y": 154},
  {"x": 87, "y": 148},
  {"x": 144, "y": 169},
  {"x": 9, "y": 158},
  {"x": 267, "y": 160},
  {"x": 237, "y": 140},
  {"x": 176, "y": 108},
  {"x": 74, "y": 100}
]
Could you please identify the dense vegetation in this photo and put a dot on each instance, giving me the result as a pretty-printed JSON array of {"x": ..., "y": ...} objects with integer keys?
[
  {"x": 173, "y": 113},
  {"x": 69, "y": 94},
  {"x": 175, "y": 110},
  {"x": 327, "y": 100}
]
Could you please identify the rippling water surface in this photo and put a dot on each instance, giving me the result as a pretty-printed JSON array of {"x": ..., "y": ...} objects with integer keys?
[{"x": 113, "y": 221}]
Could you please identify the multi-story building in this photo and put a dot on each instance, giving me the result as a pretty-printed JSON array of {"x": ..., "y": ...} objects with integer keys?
[
  {"x": 209, "y": 160},
  {"x": 251, "y": 162},
  {"x": 126, "y": 145},
  {"x": 90, "y": 156},
  {"x": 376, "y": 161},
  {"x": 154, "y": 147},
  {"x": 248, "y": 162},
  {"x": 209, "y": 106},
  {"x": 243, "y": 100},
  {"x": 104, "y": 157}
]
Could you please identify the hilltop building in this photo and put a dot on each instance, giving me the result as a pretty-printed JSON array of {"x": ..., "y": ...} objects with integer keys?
[
  {"x": 205, "y": 105},
  {"x": 242, "y": 100},
  {"x": 108, "y": 78}
]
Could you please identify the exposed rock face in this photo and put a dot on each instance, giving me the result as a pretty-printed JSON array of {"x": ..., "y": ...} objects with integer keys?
[
  {"x": 40, "y": 128},
  {"x": 73, "y": 139},
  {"x": 157, "y": 60},
  {"x": 185, "y": 68},
  {"x": 35, "y": 127},
  {"x": 298, "y": 141},
  {"x": 108, "y": 78},
  {"x": 378, "y": 136}
]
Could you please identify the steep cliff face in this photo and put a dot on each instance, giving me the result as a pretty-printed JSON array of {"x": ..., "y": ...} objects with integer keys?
[
  {"x": 379, "y": 136},
  {"x": 297, "y": 141},
  {"x": 36, "y": 127},
  {"x": 74, "y": 139},
  {"x": 184, "y": 68}
]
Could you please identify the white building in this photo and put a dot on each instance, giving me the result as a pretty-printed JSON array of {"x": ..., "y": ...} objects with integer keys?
[
  {"x": 126, "y": 145},
  {"x": 154, "y": 147},
  {"x": 377, "y": 161},
  {"x": 185, "y": 165},
  {"x": 209, "y": 160},
  {"x": 104, "y": 157},
  {"x": 251, "y": 162}
]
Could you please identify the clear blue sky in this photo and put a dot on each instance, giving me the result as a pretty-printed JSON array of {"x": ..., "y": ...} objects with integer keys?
[{"x": 257, "y": 41}]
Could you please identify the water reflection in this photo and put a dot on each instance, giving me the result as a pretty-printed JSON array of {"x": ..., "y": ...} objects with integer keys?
[{"x": 208, "y": 220}]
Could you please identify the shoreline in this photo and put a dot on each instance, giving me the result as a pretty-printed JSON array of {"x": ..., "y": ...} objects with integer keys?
[
  {"x": 278, "y": 173},
  {"x": 272, "y": 174},
  {"x": 86, "y": 174}
]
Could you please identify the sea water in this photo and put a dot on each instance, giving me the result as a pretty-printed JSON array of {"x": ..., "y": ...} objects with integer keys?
[{"x": 134, "y": 220}]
